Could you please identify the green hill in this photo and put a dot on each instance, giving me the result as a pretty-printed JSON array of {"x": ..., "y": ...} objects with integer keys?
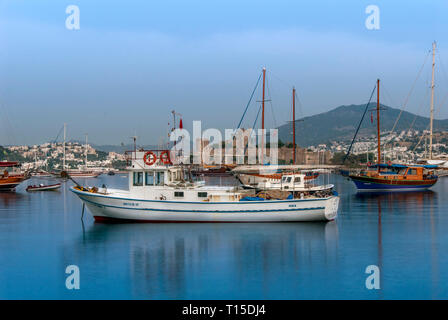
[
  {"x": 6, "y": 155},
  {"x": 340, "y": 124}
]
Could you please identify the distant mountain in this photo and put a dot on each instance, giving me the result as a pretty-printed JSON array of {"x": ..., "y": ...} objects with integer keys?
[{"x": 340, "y": 124}]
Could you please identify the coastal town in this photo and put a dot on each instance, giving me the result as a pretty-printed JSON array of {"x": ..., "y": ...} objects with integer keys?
[
  {"x": 49, "y": 156},
  {"x": 404, "y": 146}
]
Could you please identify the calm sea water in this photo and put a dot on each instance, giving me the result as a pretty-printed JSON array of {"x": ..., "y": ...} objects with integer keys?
[{"x": 405, "y": 234}]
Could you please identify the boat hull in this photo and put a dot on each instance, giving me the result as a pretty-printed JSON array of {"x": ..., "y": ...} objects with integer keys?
[
  {"x": 44, "y": 188},
  {"x": 109, "y": 208},
  {"x": 369, "y": 184},
  {"x": 11, "y": 182}
]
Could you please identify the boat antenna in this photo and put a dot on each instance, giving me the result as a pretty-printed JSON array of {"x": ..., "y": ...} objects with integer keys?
[
  {"x": 432, "y": 100},
  {"x": 134, "y": 138}
]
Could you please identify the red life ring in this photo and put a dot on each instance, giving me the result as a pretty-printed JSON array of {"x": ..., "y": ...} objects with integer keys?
[
  {"x": 152, "y": 158},
  {"x": 369, "y": 164},
  {"x": 389, "y": 162},
  {"x": 165, "y": 157}
]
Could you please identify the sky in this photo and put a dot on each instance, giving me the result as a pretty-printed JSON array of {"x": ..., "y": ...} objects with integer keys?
[{"x": 132, "y": 62}]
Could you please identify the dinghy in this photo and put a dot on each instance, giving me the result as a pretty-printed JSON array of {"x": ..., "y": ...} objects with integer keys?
[{"x": 42, "y": 187}]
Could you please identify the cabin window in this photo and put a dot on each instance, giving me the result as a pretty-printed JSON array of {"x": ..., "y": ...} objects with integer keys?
[
  {"x": 160, "y": 178},
  {"x": 412, "y": 172},
  {"x": 179, "y": 194},
  {"x": 138, "y": 178},
  {"x": 288, "y": 179},
  {"x": 297, "y": 179},
  {"x": 202, "y": 194},
  {"x": 284, "y": 179},
  {"x": 149, "y": 178}
]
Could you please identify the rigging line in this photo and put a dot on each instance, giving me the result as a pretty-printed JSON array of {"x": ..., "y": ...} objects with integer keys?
[
  {"x": 255, "y": 122},
  {"x": 256, "y": 118},
  {"x": 441, "y": 64},
  {"x": 270, "y": 103},
  {"x": 410, "y": 92},
  {"x": 359, "y": 125},
  {"x": 427, "y": 127},
  {"x": 389, "y": 96},
  {"x": 300, "y": 105},
  {"x": 421, "y": 106},
  {"x": 56, "y": 139},
  {"x": 250, "y": 99},
  {"x": 279, "y": 79}
]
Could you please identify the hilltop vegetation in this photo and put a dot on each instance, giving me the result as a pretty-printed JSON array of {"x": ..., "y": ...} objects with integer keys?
[{"x": 340, "y": 124}]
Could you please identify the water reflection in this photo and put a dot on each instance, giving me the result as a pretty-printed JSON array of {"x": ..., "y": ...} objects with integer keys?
[
  {"x": 10, "y": 199},
  {"x": 172, "y": 260},
  {"x": 403, "y": 233}
]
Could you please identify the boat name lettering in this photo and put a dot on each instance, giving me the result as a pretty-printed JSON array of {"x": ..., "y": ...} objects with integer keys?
[{"x": 133, "y": 204}]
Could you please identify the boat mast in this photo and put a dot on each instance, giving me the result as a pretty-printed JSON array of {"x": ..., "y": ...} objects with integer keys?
[
  {"x": 432, "y": 99},
  {"x": 86, "y": 151},
  {"x": 293, "y": 125},
  {"x": 63, "y": 147},
  {"x": 262, "y": 116},
  {"x": 378, "y": 121}
]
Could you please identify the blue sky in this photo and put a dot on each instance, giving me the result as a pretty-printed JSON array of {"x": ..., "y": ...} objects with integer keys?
[{"x": 132, "y": 62}]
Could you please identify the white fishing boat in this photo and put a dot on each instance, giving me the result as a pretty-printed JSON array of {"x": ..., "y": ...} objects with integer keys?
[{"x": 161, "y": 192}]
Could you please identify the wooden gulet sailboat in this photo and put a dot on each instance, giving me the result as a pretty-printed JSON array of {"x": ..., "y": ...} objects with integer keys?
[{"x": 393, "y": 177}]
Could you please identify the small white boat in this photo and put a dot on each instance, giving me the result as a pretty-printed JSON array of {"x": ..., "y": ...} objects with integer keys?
[
  {"x": 42, "y": 187},
  {"x": 252, "y": 180},
  {"x": 83, "y": 174},
  {"x": 296, "y": 182},
  {"x": 77, "y": 174},
  {"x": 159, "y": 192}
]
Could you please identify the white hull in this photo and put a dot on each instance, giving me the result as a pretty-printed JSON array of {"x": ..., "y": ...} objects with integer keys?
[
  {"x": 45, "y": 188},
  {"x": 110, "y": 207},
  {"x": 84, "y": 175}
]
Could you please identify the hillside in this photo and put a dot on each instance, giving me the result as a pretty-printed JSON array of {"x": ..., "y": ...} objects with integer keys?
[{"x": 340, "y": 124}]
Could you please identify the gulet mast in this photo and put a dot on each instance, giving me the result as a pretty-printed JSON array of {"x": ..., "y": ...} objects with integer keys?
[
  {"x": 432, "y": 100},
  {"x": 63, "y": 147},
  {"x": 86, "y": 151},
  {"x": 262, "y": 117},
  {"x": 378, "y": 122},
  {"x": 293, "y": 125}
]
